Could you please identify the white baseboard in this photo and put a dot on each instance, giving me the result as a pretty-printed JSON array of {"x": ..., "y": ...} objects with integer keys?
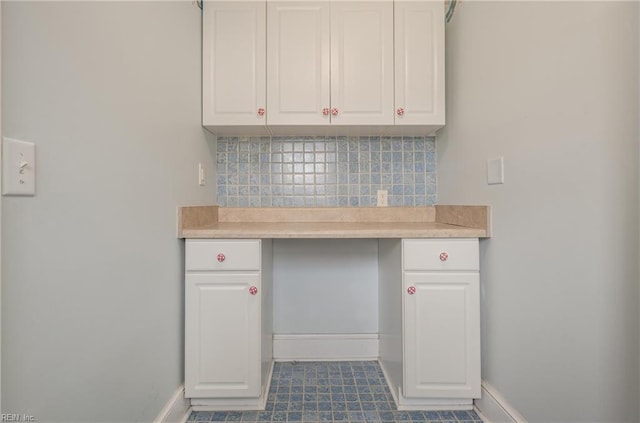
[
  {"x": 176, "y": 410},
  {"x": 225, "y": 404},
  {"x": 325, "y": 347},
  {"x": 493, "y": 408}
]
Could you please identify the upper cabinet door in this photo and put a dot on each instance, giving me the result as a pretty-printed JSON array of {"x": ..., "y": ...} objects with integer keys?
[
  {"x": 234, "y": 63},
  {"x": 298, "y": 63},
  {"x": 362, "y": 63},
  {"x": 419, "y": 63}
]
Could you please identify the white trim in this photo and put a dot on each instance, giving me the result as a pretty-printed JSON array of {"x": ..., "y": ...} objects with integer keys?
[
  {"x": 0, "y": 199},
  {"x": 176, "y": 410},
  {"x": 338, "y": 347},
  {"x": 493, "y": 408},
  {"x": 224, "y": 404},
  {"x": 433, "y": 404}
]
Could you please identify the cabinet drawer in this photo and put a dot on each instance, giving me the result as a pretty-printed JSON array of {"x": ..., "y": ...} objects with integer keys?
[
  {"x": 440, "y": 254},
  {"x": 222, "y": 254}
]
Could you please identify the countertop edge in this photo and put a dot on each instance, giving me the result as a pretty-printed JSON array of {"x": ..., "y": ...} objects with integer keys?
[{"x": 444, "y": 221}]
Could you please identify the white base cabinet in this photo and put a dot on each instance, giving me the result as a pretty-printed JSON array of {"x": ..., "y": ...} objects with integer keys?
[
  {"x": 430, "y": 326},
  {"x": 224, "y": 327},
  {"x": 441, "y": 336},
  {"x": 429, "y": 322},
  {"x": 228, "y": 331}
]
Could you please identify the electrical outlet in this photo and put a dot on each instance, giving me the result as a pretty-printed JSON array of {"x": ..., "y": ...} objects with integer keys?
[
  {"x": 201, "y": 179},
  {"x": 383, "y": 198}
]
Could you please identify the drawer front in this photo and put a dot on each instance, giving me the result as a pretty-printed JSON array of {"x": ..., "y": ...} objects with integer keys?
[
  {"x": 440, "y": 254},
  {"x": 222, "y": 254}
]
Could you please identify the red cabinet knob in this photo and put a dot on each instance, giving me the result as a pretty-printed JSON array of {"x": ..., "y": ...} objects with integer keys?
[
  {"x": 444, "y": 256},
  {"x": 325, "y": 111},
  {"x": 411, "y": 290},
  {"x": 260, "y": 111},
  {"x": 400, "y": 111},
  {"x": 220, "y": 258},
  {"x": 334, "y": 111},
  {"x": 253, "y": 290}
]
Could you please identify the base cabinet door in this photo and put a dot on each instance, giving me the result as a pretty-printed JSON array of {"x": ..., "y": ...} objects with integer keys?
[
  {"x": 441, "y": 335},
  {"x": 222, "y": 335}
]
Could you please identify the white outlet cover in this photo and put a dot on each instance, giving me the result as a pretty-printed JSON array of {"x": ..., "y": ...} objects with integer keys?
[
  {"x": 495, "y": 171},
  {"x": 18, "y": 167},
  {"x": 382, "y": 199}
]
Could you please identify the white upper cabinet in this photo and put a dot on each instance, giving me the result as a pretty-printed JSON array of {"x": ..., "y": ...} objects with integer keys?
[
  {"x": 234, "y": 64},
  {"x": 362, "y": 63},
  {"x": 419, "y": 63},
  {"x": 298, "y": 63},
  {"x": 330, "y": 63},
  {"x": 309, "y": 67}
]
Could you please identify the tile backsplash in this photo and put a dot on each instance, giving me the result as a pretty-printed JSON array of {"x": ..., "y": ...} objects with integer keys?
[{"x": 325, "y": 171}]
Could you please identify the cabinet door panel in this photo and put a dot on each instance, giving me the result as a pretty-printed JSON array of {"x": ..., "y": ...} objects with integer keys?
[
  {"x": 442, "y": 335},
  {"x": 222, "y": 336},
  {"x": 362, "y": 62},
  {"x": 298, "y": 63},
  {"x": 419, "y": 62},
  {"x": 234, "y": 62}
]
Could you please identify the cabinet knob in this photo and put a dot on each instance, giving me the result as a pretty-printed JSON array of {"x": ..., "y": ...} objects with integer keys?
[
  {"x": 325, "y": 111},
  {"x": 411, "y": 290},
  {"x": 253, "y": 290},
  {"x": 400, "y": 111},
  {"x": 334, "y": 111},
  {"x": 261, "y": 111},
  {"x": 220, "y": 258},
  {"x": 444, "y": 256}
]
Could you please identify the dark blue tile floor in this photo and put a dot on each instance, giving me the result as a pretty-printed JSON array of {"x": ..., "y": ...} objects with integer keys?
[{"x": 331, "y": 391}]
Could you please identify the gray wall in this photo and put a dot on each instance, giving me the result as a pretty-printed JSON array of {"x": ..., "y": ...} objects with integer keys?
[
  {"x": 92, "y": 299},
  {"x": 325, "y": 286},
  {"x": 0, "y": 214},
  {"x": 552, "y": 87}
]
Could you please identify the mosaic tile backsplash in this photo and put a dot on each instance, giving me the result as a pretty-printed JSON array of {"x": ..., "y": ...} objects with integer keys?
[{"x": 325, "y": 172}]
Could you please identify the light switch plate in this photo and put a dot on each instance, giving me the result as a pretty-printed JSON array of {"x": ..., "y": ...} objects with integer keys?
[
  {"x": 495, "y": 171},
  {"x": 18, "y": 167}
]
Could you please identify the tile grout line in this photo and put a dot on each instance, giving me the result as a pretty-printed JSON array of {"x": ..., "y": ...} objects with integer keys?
[{"x": 349, "y": 382}]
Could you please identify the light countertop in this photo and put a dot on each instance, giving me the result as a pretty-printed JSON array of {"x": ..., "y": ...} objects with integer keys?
[{"x": 331, "y": 222}]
